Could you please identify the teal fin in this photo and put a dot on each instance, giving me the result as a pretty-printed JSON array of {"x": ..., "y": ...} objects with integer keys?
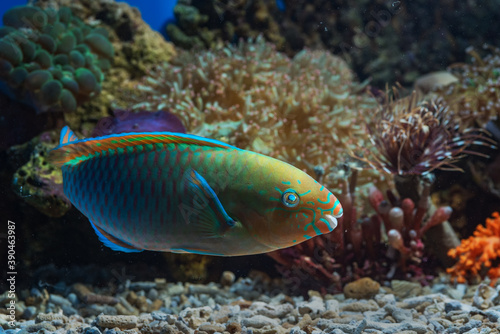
[
  {"x": 67, "y": 136},
  {"x": 115, "y": 244},
  {"x": 202, "y": 208}
]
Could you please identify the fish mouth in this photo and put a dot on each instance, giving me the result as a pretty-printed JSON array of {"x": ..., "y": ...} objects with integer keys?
[
  {"x": 338, "y": 211},
  {"x": 324, "y": 225}
]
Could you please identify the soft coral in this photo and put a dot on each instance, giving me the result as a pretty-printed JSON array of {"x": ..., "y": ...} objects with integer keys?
[{"x": 478, "y": 251}]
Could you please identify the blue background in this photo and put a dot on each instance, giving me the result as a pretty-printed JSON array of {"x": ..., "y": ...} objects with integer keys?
[{"x": 155, "y": 12}]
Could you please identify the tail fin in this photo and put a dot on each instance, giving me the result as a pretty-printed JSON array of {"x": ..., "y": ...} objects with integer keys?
[{"x": 67, "y": 136}]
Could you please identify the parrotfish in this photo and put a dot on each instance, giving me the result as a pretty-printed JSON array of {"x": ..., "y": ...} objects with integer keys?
[{"x": 175, "y": 192}]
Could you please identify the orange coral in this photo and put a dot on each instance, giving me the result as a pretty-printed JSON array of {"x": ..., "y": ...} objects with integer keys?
[{"x": 476, "y": 253}]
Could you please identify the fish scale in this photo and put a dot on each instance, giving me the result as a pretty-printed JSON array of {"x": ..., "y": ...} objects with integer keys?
[{"x": 182, "y": 193}]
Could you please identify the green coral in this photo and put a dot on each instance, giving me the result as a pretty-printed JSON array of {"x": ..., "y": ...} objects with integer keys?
[{"x": 51, "y": 59}]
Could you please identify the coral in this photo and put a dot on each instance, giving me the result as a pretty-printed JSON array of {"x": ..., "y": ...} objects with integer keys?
[
  {"x": 478, "y": 256},
  {"x": 475, "y": 97},
  {"x": 304, "y": 110},
  {"x": 51, "y": 59},
  {"x": 142, "y": 121},
  {"x": 385, "y": 245},
  {"x": 386, "y": 41},
  {"x": 207, "y": 23},
  {"x": 414, "y": 138},
  {"x": 136, "y": 49},
  {"x": 39, "y": 183}
]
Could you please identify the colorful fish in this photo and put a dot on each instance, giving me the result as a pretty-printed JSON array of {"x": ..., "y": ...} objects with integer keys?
[{"x": 182, "y": 193}]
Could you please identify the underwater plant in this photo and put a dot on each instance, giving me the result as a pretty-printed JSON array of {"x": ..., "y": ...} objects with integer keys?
[
  {"x": 51, "y": 59},
  {"x": 478, "y": 256}
]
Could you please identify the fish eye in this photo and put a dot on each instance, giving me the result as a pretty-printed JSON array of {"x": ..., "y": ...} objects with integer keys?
[{"x": 290, "y": 198}]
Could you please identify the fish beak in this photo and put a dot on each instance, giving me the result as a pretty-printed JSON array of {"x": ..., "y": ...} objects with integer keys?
[
  {"x": 325, "y": 224},
  {"x": 332, "y": 220},
  {"x": 339, "y": 213}
]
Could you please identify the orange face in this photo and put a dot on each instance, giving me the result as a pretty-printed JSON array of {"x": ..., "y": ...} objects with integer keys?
[{"x": 286, "y": 207}]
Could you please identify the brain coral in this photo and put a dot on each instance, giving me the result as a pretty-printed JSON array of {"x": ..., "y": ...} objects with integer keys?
[
  {"x": 51, "y": 59},
  {"x": 306, "y": 110}
]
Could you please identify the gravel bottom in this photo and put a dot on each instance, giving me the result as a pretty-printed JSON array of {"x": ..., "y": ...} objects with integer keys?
[{"x": 254, "y": 305}]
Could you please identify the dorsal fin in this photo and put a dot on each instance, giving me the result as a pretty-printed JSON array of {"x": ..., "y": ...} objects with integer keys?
[
  {"x": 67, "y": 136},
  {"x": 76, "y": 151}
]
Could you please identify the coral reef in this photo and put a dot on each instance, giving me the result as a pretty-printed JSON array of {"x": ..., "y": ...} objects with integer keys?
[
  {"x": 141, "y": 121},
  {"x": 386, "y": 245},
  {"x": 304, "y": 110},
  {"x": 207, "y": 23},
  {"x": 51, "y": 59},
  {"x": 478, "y": 256},
  {"x": 475, "y": 96},
  {"x": 38, "y": 182},
  {"x": 387, "y": 41},
  {"x": 136, "y": 49}
]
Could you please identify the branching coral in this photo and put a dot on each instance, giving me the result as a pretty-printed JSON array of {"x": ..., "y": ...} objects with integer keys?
[
  {"x": 415, "y": 138},
  {"x": 479, "y": 255},
  {"x": 304, "y": 110},
  {"x": 51, "y": 59}
]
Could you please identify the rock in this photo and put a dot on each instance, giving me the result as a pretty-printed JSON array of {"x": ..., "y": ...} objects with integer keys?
[
  {"x": 363, "y": 306},
  {"x": 362, "y": 288},
  {"x": 453, "y": 305},
  {"x": 398, "y": 314},
  {"x": 271, "y": 311},
  {"x": 384, "y": 299},
  {"x": 472, "y": 324},
  {"x": 227, "y": 278},
  {"x": 120, "y": 321},
  {"x": 333, "y": 305},
  {"x": 405, "y": 289},
  {"x": 212, "y": 328},
  {"x": 485, "y": 297},
  {"x": 297, "y": 330},
  {"x": 259, "y": 321},
  {"x": 29, "y": 312},
  {"x": 314, "y": 307}
]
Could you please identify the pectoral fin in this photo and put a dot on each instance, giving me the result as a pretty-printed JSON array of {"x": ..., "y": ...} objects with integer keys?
[{"x": 201, "y": 208}]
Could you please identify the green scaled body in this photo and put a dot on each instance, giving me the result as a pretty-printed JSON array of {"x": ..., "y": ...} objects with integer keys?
[{"x": 183, "y": 193}]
